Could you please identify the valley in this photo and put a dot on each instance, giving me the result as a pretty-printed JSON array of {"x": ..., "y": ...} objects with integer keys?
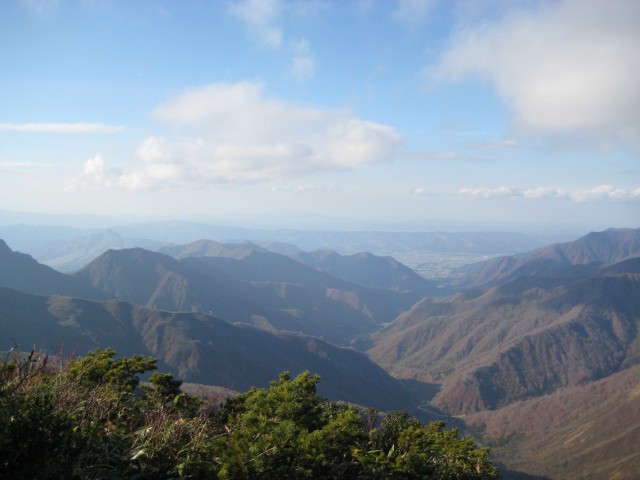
[{"x": 535, "y": 353}]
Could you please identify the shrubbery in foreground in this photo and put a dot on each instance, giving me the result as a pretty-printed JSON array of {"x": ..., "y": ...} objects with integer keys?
[{"x": 91, "y": 418}]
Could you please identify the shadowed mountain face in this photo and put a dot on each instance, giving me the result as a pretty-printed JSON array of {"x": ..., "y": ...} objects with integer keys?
[
  {"x": 519, "y": 340},
  {"x": 364, "y": 269},
  {"x": 370, "y": 270},
  {"x": 22, "y": 272},
  {"x": 196, "y": 347},
  {"x": 602, "y": 248},
  {"x": 250, "y": 285}
]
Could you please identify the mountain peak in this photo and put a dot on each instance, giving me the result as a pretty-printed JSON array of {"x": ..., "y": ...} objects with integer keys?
[{"x": 4, "y": 248}]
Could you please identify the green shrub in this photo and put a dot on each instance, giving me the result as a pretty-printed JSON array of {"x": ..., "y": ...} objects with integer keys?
[{"x": 91, "y": 419}]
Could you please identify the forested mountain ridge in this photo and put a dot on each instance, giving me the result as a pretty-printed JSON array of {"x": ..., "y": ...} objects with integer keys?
[
  {"x": 512, "y": 343},
  {"x": 22, "y": 272},
  {"x": 363, "y": 268},
  {"x": 607, "y": 247},
  {"x": 370, "y": 270},
  {"x": 195, "y": 347},
  {"x": 518, "y": 339},
  {"x": 260, "y": 288}
]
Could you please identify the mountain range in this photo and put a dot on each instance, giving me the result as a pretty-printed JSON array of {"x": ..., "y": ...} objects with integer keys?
[
  {"x": 67, "y": 248},
  {"x": 518, "y": 340},
  {"x": 196, "y": 347},
  {"x": 536, "y": 353},
  {"x": 609, "y": 246}
]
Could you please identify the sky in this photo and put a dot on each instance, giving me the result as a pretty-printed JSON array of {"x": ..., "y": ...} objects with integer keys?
[{"x": 511, "y": 114}]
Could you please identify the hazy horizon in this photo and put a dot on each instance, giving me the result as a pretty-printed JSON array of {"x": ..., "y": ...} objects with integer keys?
[{"x": 414, "y": 114}]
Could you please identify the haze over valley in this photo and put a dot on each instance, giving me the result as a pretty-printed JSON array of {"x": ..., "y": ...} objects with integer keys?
[
  {"x": 546, "y": 326},
  {"x": 434, "y": 205}
]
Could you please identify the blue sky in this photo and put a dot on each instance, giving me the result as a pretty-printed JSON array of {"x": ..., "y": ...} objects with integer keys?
[{"x": 515, "y": 114}]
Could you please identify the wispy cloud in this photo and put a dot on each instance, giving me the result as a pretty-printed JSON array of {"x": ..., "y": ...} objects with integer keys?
[
  {"x": 262, "y": 16},
  {"x": 61, "y": 127},
  {"x": 444, "y": 156},
  {"x": 238, "y": 135},
  {"x": 564, "y": 68},
  {"x": 264, "y": 19},
  {"x": 413, "y": 11},
  {"x": 601, "y": 192},
  {"x": 40, "y": 7},
  {"x": 302, "y": 188},
  {"x": 303, "y": 62},
  {"x": 489, "y": 192},
  {"x": 492, "y": 144}
]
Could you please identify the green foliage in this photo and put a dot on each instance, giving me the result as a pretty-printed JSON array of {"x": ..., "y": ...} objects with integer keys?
[
  {"x": 100, "y": 366},
  {"x": 92, "y": 419}
]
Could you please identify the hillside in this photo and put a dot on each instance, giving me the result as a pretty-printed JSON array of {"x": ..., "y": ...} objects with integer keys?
[
  {"x": 211, "y": 248},
  {"x": 196, "y": 347},
  {"x": 22, "y": 272},
  {"x": 589, "y": 431},
  {"x": 517, "y": 341},
  {"x": 369, "y": 270},
  {"x": 292, "y": 280},
  {"x": 607, "y": 247},
  {"x": 263, "y": 289},
  {"x": 363, "y": 268},
  {"x": 73, "y": 254}
]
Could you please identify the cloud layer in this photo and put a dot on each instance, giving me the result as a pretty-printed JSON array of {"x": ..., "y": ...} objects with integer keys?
[
  {"x": 61, "y": 127},
  {"x": 601, "y": 192},
  {"x": 233, "y": 133},
  {"x": 569, "y": 67}
]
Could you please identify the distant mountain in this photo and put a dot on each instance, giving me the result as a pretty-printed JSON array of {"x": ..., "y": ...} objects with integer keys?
[
  {"x": 22, "y": 272},
  {"x": 180, "y": 232},
  {"x": 272, "y": 272},
  {"x": 30, "y": 238},
  {"x": 196, "y": 347},
  {"x": 71, "y": 255},
  {"x": 211, "y": 248},
  {"x": 519, "y": 340},
  {"x": 345, "y": 242},
  {"x": 605, "y": 247},
  {"x": 159, "y": 281},
  {"x": 369, "y": 270},
  {"x": 260, "y": 288}
]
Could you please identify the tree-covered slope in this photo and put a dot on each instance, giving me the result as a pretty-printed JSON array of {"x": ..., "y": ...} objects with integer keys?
[
  {"x": 260, "y": 288},
  {"x": 606, "y": 247},
  {"x": 514, "y": 342},
  {"x": 199, "y": 348},
  {"x": 22, "y": 272}
]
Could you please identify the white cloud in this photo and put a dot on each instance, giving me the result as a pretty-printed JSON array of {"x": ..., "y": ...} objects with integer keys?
[
  {"x": 303, "y": 62},
  {"x": 444, "y": 156},
  {"x": 232, "y": 133},
  {"x": 61, "y": 127},
  {"x": 493, "y": 144},
  {"x": 569, "y": 67},
  {"x": 489, "y": 192},
  {"x": 601, "y": 192},
  {"x": 413, "y": 11},
  {"x": 304, "y": 188},
  {"x": 94, "y": 175},
  {"x": 262, "y": 17},
  {"x": 423, "y": 192}
]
